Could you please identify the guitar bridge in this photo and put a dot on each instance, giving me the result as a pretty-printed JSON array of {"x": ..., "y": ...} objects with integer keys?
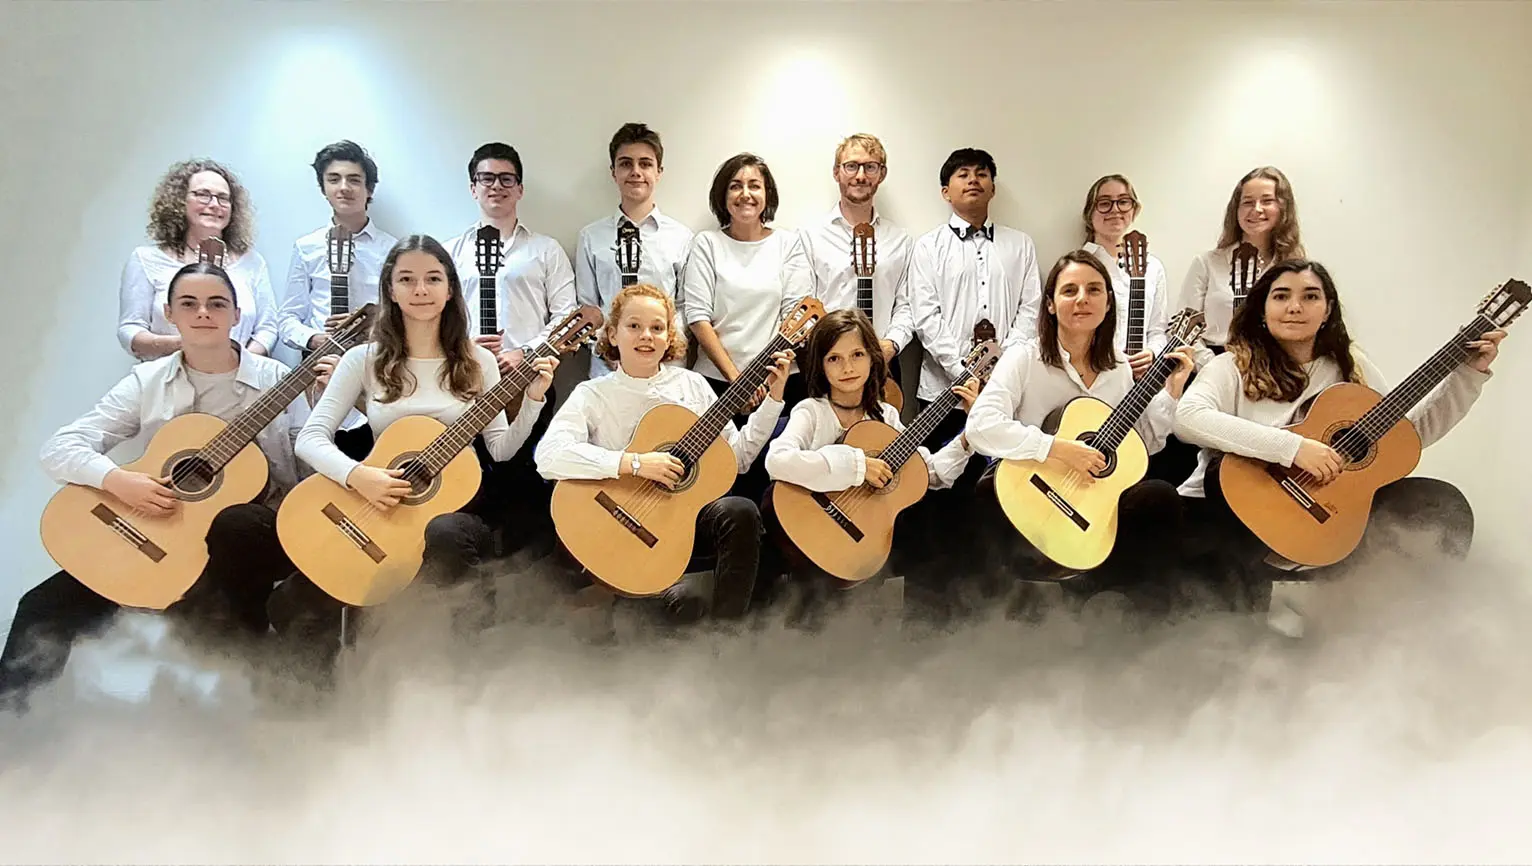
[
  {"x": 353, "y": 532},
  {"x": 1295, "y": 490},
  {"x": 838, "y": 516},
  {"x": 1060, "y": 502},
  {"x": 128, "y": 532},
  {"x": 628, "y": 521}
]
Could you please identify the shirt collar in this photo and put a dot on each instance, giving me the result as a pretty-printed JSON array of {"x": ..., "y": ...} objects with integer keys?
[
  {"x": 835, "y": 216},
  {"x": 246, "y": 374},
  {"x": 618, "y": 216}
]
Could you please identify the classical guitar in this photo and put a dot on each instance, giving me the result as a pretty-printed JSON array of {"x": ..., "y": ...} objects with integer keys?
[
  {"x": 849, "y": 533},
  {"x": 628, "y": 252},
  {"x": 488, "y": 256},
  {"x": 362, "y": 555},
  {"x": 340, "y": 249},
  {"x": 211, "y": 251},
  {"x": 143, "y": 561},
  {"x": 1135, "y": 260},
  {"x": 1244, "y": 269},
  {"x": 864, "y": 260},
  {"x": 1071, "y": 516},
  {"x": 636, "y": 535},
  {"x": 1313, "y": 524}
]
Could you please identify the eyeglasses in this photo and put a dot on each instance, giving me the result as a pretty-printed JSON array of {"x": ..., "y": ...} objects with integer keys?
[
  {"x": 507, "y": 179},
  {"x": 872, "y": 168},
  {"x": 207, "y": 197},
  {"x": 1123, "y": 205}
]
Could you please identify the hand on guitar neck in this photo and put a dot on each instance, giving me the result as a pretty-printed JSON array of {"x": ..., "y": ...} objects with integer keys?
[{"x": 776, "y": 381}]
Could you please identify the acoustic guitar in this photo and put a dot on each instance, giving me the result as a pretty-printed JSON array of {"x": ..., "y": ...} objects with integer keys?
[
  {"x": 1070, "y": 516},
  {"x": 628, "y": 252},
  {"x": 340, "y": 250},
  {"x": 362, "y": 555},
  {"x": 850, "y": 532},
  {"x": 1245, "y": 267},
  {"x": 864, "y": 260},
  {"x": 1313, "y": 524},
  {"x": 143, "y": 561},
  {"x": 1135, "y": 260},
  {"x": 636, "y": 535}
]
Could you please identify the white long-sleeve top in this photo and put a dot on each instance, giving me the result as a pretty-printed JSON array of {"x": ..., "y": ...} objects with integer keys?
[
  {"x": 807, "y": 452},
  {"x": 152, "y": 394},
  {"x": 1206, "y": 290},
  {"x": 829, "y": 242},
  {"x": 353, "y": 377},
  {"x": 1215, "y": 413},
  {"x": 534, "y": 288},
  {"x": 955, "y": 283},
  {"x": 590, "y": 432},
  {"x": 1156, "y": 302},
  {"x": 1006, "y": 420},
  {"x": 307, "y": 303},
  {"x": 146, "y": 279},
  {"x": 745, "y": 289},
  {"x": 663, "y": 243}
]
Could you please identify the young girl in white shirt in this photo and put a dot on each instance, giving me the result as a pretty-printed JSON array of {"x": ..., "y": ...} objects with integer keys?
[
  {"x": 1074, "y": 356},
  {"x": 421, "y": 362},
  {"x": 591, "y": 430},
  {"x": 844, "y": 370},
  {"x": 1286, "y": 344}
]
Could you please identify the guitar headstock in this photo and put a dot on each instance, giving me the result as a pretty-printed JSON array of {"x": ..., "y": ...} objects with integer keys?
[
  {"x": 1507, "y": 302},
  {"x": 1244, "y": 269},
  {"x": 795, "y": 328},
  {"x": 212, "y": 251},
  {"x": 353, "y": 330},
  {"x": 983, "y": 331},
  {"x": 1135, "y": 254},
  {"x": 1185, "y": 327},
  {"x": 341, "y": 249},
  {"x": 981, "y": 361},
  {"x": 578, "y": 328},
  {"x": 864, "y": 249},
  {"x": 627, "y": 248},
  {"x": 486, "y": 251}
]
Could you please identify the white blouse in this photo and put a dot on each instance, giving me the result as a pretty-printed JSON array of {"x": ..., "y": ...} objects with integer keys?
[
  {"x": 1156, "y": 311},
  {"x": 745, "y": 289},
  {"x": 146, "y": 279},
  {"x": 808, "y": 452}
]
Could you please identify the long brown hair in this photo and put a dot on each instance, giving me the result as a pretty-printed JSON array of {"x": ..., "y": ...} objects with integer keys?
[
  {"x": 1103, "y": 356},
  {"x": 1268, "y": 372},
  {"x": 606, "y": 347},
  {"x": 461, "y": 375},
  {"x": 167, "y": 209},
  {"x": 1285, "y": 241},
  {"x": 1090, "y": 201},
  {"x": 823, "y": 338}
]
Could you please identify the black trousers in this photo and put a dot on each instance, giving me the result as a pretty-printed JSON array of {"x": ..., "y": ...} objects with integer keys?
[
  {"x": 245, "y": 560},
  {"x": 518, "y": 498}
]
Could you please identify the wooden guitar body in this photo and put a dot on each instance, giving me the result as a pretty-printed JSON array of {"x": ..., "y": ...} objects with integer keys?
[
  {"x": 631, "y": 533},
  {"x": 350, "y": 549},
  {"x": 1068, "y": 515},
  {"x": 1306, "y": 523},
  {"x": 849, "y": 533},
  {"x": 149, "y": 562},
  {"x": 893, "y": 395}
]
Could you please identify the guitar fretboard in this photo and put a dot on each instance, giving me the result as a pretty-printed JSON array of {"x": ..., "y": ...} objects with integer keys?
[
  {"x": 450, "y": 442},
  {"x": 1135, "y": 341},
  {"x": 907, "y": 443},
  {"x": 1382, "y": 417},
  {"x": 864, "y": 296},
  {"x": 489, "y": 310},
  {"x": 691, "y": 446},
  {"x": 340, "y": 294},
  {"x": 1132, "y": 407}
]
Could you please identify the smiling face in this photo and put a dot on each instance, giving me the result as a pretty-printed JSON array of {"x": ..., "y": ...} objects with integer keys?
[
  {"x": 203, "y": 310},
  {"x": 636, "y": 171},
  {"x": 345, "y": 187},
  {"x": 746, "y": 197},
  {"x": 209, "y": 204},
  {"x": 970, "y": 186},
  {"x": 420, "y": 286},
  {"x": 496, "y": 187},
  {"x": 846, "y": 367},
  {"x": 1121, "y": 209},
  {"x": 858, "y": 174},
  {"x": 641, "y": 333},
  {"x": 1259, "y": 208},
  {"x": 1079, "y": 300},
  {"x": 1296, "y": 307}
]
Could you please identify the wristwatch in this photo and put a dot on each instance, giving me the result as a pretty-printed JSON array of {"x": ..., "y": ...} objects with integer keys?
[{"x": 635, "y": 464}]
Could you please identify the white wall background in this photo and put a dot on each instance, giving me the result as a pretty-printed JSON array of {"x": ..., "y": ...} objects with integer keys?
[{"x": 1404, "y": 128}]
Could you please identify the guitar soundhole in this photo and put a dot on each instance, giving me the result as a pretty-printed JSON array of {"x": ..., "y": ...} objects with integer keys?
[
  {"x": 193, "y": 478},
  {"x": 688, "y": 478},
  {"x": 423, "y": 485},
  {"x": 1111, "y": 456},
  {"x": 1357, "y": 451},
  {"x": 891, "y": 486}
]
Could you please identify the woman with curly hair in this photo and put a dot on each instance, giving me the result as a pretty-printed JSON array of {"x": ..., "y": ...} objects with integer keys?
[{"x": 195, "y": 200}]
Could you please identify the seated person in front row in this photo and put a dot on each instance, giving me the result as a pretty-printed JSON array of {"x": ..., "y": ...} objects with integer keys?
[
  {"x": 421, "y": 362},
  {"x": 589, "y": 432},
  {"x": 844, "y": 369},
  {"x": 1073, "y": 356},
  {"x": 210, "y": 374},
  {"x": 1287, "y": 343}
]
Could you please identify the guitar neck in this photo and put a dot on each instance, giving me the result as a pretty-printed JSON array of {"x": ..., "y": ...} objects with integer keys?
[
  {"x": 1392, "y": 408},
  {"x": 1135, "y": 341},
  {"x": 476, "y": 417},
  {"x": 905, "y": 444},
  {"x": 241, "y": 431},
  {"x": 340, "y": 294},
  {"x": 864, "y": 295},
  {"x": 489, "y": 310},
  {"x": 1132, "y": 406},
  {"x": 691, "y": 446},
  {"x": 629, "y": 278}
]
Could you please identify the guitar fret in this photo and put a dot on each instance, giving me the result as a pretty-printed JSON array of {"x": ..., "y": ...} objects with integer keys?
[
  {"x": 340, "y": 294},
  {"x": 460, "y": 433},
  {"x": 864, "y": 295},
  {"x": 706, "y": 429},
  {"x": 1392, "y": 408}
]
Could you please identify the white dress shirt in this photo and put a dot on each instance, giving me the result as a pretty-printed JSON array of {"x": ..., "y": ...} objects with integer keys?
[
  {"x": 353, "y": 377},
  {"x": 807, "y": 452},
  {"x": 146, "y": 279},
  {"x": 1006, "y": 421},
  {"x": 1156, "y": 314},
  {"x": 153, "y": 393},
  {"x": 534, "y": 288},
  {"x": 955, "y": 283},
  {"x": 829, "y": 244},
  {"x": 307, "y": 303},
  {"x": 1215, "y": 413},
  {"x": 592, "y": 429},
  {"x": 745, "y": 289},
  {"x": 663, "y": 243}
]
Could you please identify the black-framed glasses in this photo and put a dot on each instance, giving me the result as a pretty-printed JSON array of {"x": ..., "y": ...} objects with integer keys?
[
  {"x": 208, "y": 197},
  {"x": 507, "y": 179},
  {"x": 873, "y": 169},
  {"x": 1122, "y": 205}
]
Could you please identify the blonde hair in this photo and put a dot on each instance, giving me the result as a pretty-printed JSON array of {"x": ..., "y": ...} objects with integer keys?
[
  {"x": 869, "y": 142},
  {"x": 606, "y": 347},
  {"x": 1090, "y": 201},
  {"x": 1285, "y": 241}
]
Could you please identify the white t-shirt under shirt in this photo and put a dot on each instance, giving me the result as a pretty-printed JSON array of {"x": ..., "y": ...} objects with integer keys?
[
  {"x": 745, "y": 289},
  {"x": 354, "y": 377},
  {"x": 214, "y": 393}
]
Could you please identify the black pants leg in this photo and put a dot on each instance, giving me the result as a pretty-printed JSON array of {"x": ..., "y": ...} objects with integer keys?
[
  {"x": 245, "y": 560},
  {"x": 1150, "y": 518},
  {"x": 731, "y": 528}
]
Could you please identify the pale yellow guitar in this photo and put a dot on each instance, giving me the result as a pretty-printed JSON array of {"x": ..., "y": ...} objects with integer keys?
[{"x": 1071, "y": 516}]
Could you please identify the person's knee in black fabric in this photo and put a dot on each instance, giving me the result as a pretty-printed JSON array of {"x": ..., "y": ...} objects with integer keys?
[
  {"x": 456, "y": 544},
  {"x": 737, "y": 531},
  {"x": 1426, "y": 504}
]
